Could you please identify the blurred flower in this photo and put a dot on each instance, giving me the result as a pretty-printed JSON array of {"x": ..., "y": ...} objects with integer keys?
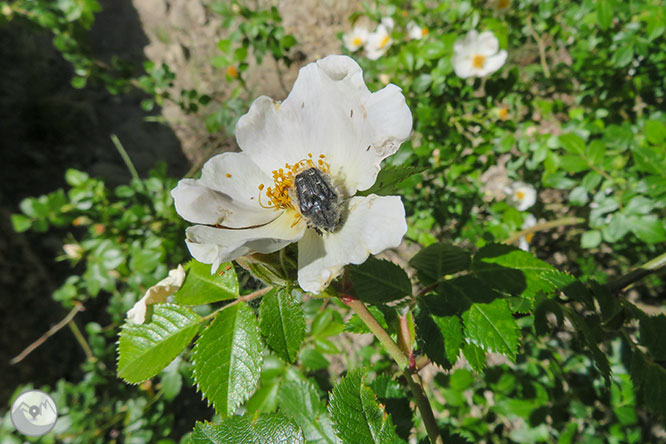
[
  {"x": 477, "y": 55},
  {"x": 388, "y": 23},
  {"x": 503, "y": 113},
  {"x": 356, "y": 38},
  {"x": 524, "y": 241},
  {"x": 232, "y": 72},
  {"x": 384, "y": 78},
  {"x": 157, "y": 294},
  {"x": 73, "y": 251},
  {"x": 499, "y": 5},
  {"x": 301, "y": 163},
  {"x": 415, "y": 32},
  {"x": 521, "y": 195},
  {"x": 378, "y": 43}
]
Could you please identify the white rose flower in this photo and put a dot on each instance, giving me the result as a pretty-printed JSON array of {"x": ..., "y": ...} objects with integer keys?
[
  {"x": 157, "y": 294},
  {"x": 301, "y": 163},
  {"x": 521, "y": 195},
  {"x": 477, "y": 55},
  {"x": 415, "y": 32},
  {"x": 356, "y": 38},
  {"x": 378, "y": 43},
  {"x": 524, "y": 241}
]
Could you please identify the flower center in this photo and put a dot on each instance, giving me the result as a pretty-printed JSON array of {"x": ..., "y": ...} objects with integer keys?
[
  {"x": 529, "y": 237},
  {"x": 424, "y": 31},
  {"x": 357, "y": 41},
  {"x": 384, "y": 41},
  {"x": 478, "y": 61},
  {"x": 279, "y": 195},
  {"x": 520, "y": 195}
]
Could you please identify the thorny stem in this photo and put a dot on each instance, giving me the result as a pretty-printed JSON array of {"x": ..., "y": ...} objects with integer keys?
[
  {"x": 637, "y": 274},
  {"x": 545, "y": 226},
  {"x": 413, "y": 380},
  {"x": 247, "y": 297}
]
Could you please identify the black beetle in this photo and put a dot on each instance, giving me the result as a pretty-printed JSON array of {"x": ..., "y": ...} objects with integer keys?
[{"x": 318, "y": 200}]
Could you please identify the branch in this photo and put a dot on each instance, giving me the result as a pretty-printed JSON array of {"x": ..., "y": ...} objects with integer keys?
[
  {"x": 637, "y": 274},
  {"x": 545, "y": 226},
  {"x": 413, "y": 380},
  {"x": 53, "y": 330},
  {"x": 247, "y": 297}
]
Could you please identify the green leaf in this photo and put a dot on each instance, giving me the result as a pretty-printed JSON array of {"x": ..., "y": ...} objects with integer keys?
[
  {"x": 440, "y": 337},
  {"x": 170, "y": 380},
  {"x": 492, "y": 327},
  {"x": 313, "y": 359},
  {"x": 388, "y": 178},
  {"x": 647, "y": 159},
  {"x": 604, "y": 14},
  {"x": 653, "y": 332},
  {"x": 201, "y": 287},
  {"x": 517, "y": 272},
  {"x": 649, "y": 229},
  {"x": 623, "y": 56},
  {"x": 21, "y": 223},
  {"x": 357, "y": 416},
  {"x": 282, "y": 323},
  {"x": 438, "y": 260},
  {"x": 75, "y": 177},
  {"x": 573, "y": 143},
  {"x": 265, "y": 429},
  {"x": 145, "y": 349},
  {"x": 590, "y": 239},
  {"x": 300, "y": 401},
  {"x": 475, "y": 356},
  {"x": 227, "y": 358},
  {"x": 378, "y": 281},
  {"x": 655, "y": 131}
]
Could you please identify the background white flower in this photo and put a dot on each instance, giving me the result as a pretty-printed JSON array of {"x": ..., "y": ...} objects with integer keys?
[
  {"x": 157, "y": 294},
  {"x": 524, "y": 241},
  {"x": 415, "y": 32},
  {"x": 477, "y": 55},
  {"x": 356, "y": 38},
  {"x": 521, "y": 195},
  {"x": 249, "y": 201},
  {"x": 378, "y": 42}
]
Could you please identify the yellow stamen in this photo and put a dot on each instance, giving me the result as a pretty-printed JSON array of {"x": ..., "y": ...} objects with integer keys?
[
  {"x": 357, "y": 41},
  {"x": 520, "y": 195},
  {"x": 228, "y": 175},
  {"x": 232, "y": 72},
  {"x": 424, "y": 31},
  {"x": 478, "y": 61},
  {"x": 528, "y": 237},
  {"x": 384, "y": 41},
  {"x": 503, "y": 113}
]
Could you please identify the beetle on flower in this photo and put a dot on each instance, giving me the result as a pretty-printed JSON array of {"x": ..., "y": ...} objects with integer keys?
[{"x": 301, "y": 163}]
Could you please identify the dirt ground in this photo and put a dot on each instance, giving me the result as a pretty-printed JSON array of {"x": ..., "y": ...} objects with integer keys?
[{"x": 47, "y": 126}]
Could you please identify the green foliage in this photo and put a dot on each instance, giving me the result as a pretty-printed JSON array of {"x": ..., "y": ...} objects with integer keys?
[
  {"x": 145, "y": 349},
  {"x": 300, "y": 401},
  {"x": 380, "y": 281},
  {"x": 357, "y": 417},
  {"x": 282, "y": 324},
  {"x": 227, "y": 358},
  {"x": 202, "y": 287},
  {"x": 267, "y": 429}
]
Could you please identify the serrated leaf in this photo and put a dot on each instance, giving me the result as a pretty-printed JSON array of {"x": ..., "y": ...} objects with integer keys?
[
  {"x": 476, "y": 357},
  {"x": 439, "y": 337},
  {"x": 393, "y": 396},
  {"x": 300, "y": 401},
  {"x": 653, "y": 332},
  {"x": 265, "y": 429},
  {"x": 357, "y": 416},
  {"x": 145, "y": 349},
  {"x": 227, "y": 358},
  {"x": 388, "y": 178},
  {"x": 438, "y": 260},
  {"x": 200, "y": 287},
  {"x": 492, "y": 327},
  {"x": 517, "y": 272},
  {"x": 378, "y": 281},
  {"x": 592, "y": 335},
  {"x": 282, "y": 323}
]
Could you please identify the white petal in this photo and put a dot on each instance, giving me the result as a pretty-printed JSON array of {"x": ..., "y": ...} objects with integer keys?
[
  {"x": 523, "y": 244},
  {"x": 216, "y": 245},
  {"x": 462, "y": 65},
  {"x": 218, "y": 199},
  {"x": 157, "y": 294},
  {"x": 372, "y": 225},
  {"x": 329, "y": 111},
  {"x": 493, "y": 63},
  {"x": 487, "y": 44}
]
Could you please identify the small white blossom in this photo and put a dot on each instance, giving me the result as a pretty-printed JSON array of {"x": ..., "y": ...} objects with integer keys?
[
  {"x": 524, "y": 241},
  {"x": 477, "y": 55},
  {"x": 521, "y": 195},
  {"x": 388, "y": 23},
  {"x": 356, "y": 38},
  {"x": 73, "y": 251},
  {"x": 157, "y": 294},
  {"x": 415, "y": 32},
  {"x": 378, "y": 42},
  {"x": 302, "y": 162}
]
